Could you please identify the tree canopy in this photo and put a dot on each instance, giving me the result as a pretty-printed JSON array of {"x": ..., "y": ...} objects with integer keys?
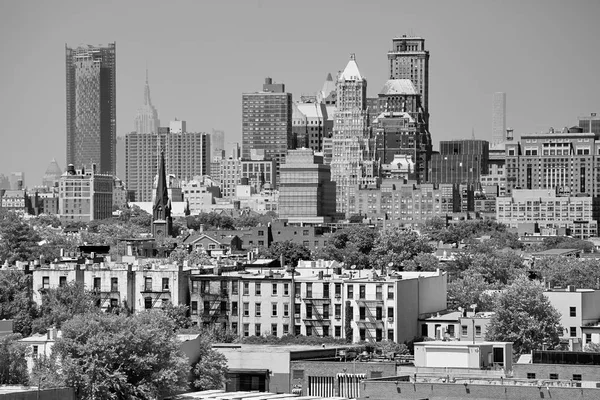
[
  {"x": 13, "y": 366},
  {"x": 15, "y": 300},
  {"x": 211, "y": 368},
  {"x": 524, "y": 316},
  {"x": 292, "y": 252},
  {"x": 395, "y": 246},
  {"x": 18, "y": 241},
  {"x": 351, "y": 246}
]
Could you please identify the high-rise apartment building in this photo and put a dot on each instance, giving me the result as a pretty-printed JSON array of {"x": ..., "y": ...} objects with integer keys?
[
  {"x": 561, "y": 161},
  {"x": 499, "y": 118},
  {"x": 590, "y": 123},
  {"x": 353, "y": 158},
  {"x": 146, "y": 119},
  {"x": 408, "y": 59},
  {"x": 460, "y": 161},
  {"x": 306, "y": 192},
  {"x": 267, "y": 122},
  {"x": 187, "y": 154},
  {"x": 84, "y": 195},
  {"x": 91, "y": 106}
]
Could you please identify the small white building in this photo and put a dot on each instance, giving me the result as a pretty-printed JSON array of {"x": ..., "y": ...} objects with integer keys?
[
  {"x": 453, "y": 354},
  {"x": 40, "y": 346}
]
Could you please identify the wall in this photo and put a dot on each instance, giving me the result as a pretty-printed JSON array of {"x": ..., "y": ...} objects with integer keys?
[
  {"x": 564, "y": 371},
  {"x": 389, "y": 389},
  {"x": 44, "y": 394},
  {"x": 407, "y": 309}
]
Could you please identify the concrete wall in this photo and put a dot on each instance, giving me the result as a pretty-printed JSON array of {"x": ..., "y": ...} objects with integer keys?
[
  {"x": 407, "y": 310},
  {"x": 44, "y": 394},
  {"x": 564, "y": 371},
  {"x": 389, "y": 389}
]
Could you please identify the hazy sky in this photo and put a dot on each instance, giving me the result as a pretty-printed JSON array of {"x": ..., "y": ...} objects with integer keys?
[{"x": 202, "y": 55}]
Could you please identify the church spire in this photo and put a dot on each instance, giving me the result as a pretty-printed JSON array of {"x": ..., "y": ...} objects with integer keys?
[{"x": 161, "y": 211}]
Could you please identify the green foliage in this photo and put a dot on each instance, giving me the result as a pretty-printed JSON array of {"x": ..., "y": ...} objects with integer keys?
[
  {"x": 470, "y": 289},
  {"x": 46, "y": 220},
  {"x": 63, "y": 303},
  {"x": 422, "y": 262},
  {"x": 288, "y": 340},
  {"x": 210, "y": 370},
  {"x": 592, "y": 347},
  {"x": 179, "y": 314},
  {"x": 495, "y": 266},
  {"x": 524, "y": 316},
  {"x": 390, "y": 348},
  {"x": 136, "y": 216},
  {"x": 15, "y": 300},
  {"x": 564, "y": 242},
  {"x": 179, "y": 255},
  {"x": 18, "y": 241},
  {"x": 45, "y": 372},
  {"x": 13, "y": 366},
  {"x": 210, "y": 220},
  {"x": 395, "y": 246},
  {"x": 351, "y": 246},
  {"x": 292, "y": 252},
  {"x": 113, "y": 356},
  {"x": 465, "y": 231},
  {"x": 561, "y": 272}
]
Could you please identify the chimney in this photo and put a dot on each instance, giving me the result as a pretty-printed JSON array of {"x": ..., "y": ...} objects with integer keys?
[{"x": 570, "y": 288}]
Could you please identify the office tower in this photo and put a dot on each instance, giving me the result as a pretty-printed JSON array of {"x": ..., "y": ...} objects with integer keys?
[
  {"x": 4, "y": 182},
  {"x": 91, "y": 106},
  {"x": 84, "y": 195},
  {"x": 121, "y": 154},
  {"x": 499, "y": 118},
  {"x": 217, "y": 144},
  {"x": 162, "y": 223},
  {"x": 186, "y": 156},
  {"x": 409, "y": 60},
  {"x": 561, "y": 161},
  {"x": 353, "y": 159},
  {"x": 310, "y": 124},
  {"x": 146, "y": 119},
  {"x": 460, "y": 161},
  {"x": 267, "y": 122},
  {"x": 402, "y": 141},
  {"x": 52, "y": 174},
  {"x": 17, "y": 180},
  {"x": 306, "y": 192},
  {"x": 590, "y": 124}
]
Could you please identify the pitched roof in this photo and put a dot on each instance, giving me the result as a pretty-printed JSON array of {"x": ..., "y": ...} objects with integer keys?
[
  {"x": 351, "y": 72},
  {"x": 398, "y": 86}
]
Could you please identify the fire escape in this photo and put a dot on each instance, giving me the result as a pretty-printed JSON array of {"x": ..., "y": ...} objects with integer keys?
[
  {"x": 218, "y": 307},
  {"x": 316, "y": 319},
  {"x": 154, "y": 296},
  {"x": 370, "y": 322}
]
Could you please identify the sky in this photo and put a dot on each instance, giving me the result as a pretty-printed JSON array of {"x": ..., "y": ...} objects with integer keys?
[{"x": 202, "y": 55}]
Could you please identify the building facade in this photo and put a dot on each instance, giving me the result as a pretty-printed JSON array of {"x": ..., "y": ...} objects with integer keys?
[
  {"x": 499, "y": 118},
  {"x": 91, "y": 107},
  {"x": 460, "y": 162},
  {"x": 84, "y": 195}
]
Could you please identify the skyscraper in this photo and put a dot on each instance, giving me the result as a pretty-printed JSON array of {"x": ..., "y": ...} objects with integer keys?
[
  {"x": 91, "y": 106},
  {"x": 409, "y": 60},
  {"x": 146, "y": 119},
  {"x": 267, "y": 122},
  {"x": 499, "y": 118},
  {"x": 353, "y": 159}
]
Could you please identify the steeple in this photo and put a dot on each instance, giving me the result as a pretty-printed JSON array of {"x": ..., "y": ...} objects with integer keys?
[
  {"x": 146, "y": 120},
  {"x": 162, "y": 222},
  {"x": 147, "y": 101}
]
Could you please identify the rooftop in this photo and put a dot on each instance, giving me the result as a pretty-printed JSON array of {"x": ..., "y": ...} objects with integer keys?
[
  {"x": 351, "y": 72},
  {"x": 398, "y": 86}
]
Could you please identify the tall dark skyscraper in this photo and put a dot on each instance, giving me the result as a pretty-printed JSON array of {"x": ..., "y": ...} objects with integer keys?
[
  {"x": 409, "y": 60},
  {"x": 91, "y": 106}
]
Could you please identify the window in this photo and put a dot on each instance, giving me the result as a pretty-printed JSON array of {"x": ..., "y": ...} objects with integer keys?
[
  {"x": 309, "y": 290},
  {"x": 148, "y": 303},
  {"x": 379, "y": 292},
  {"x": 363, "y": 334},
  {"x": 62, "y": 281},
  {"x": 257, "y": 289},
  {"x": 326, "y": 290},
  {"x": 297, "y": 310},
  {"x": 206, "y": 308},
  {"x": 390, "y": 312},
  {"x": 305, "y": 232},
  {"x": 390, "y": 335},
  {"x": 148, "y": 284},
  {"x": 286, "y": 310},
  {"x": 45, "y": 282},
  {"x": 309, "y": 311},
  {"x": 350, "y": 291},
  {"x": 477, "y": 330},
  {"x": 194, "y": 308},
  {"x": 338, "y": 311},
  {"x": 234, "y": 288},
  {"x": 338, "y": 290},
  {"x": 572, "y": 311},
  {"x": 165, "y": 283},
  {"x": 576, "y": 377},
  {"x": 588, "y": 338},
  {"x": 325, "y": 330},
  {"x": 362, "y": 312},
  {"x": 246, "y": 309},
  {"x": 246, "y": 288},
  {"x": 114, "y": 284},
  {"x": 553, "y": 376},
  {"x": 286, "y": 329},
  {"x": 234, "y": 328},
  {"x": 204, "y": 287},
  {"x": 97, "y": 284},
  {"x": 362, "y": 292},
  {"x": 297, "y": 289},
  {"x": 274, "y": 310},
  {"x": 257, "y": 309},
  {"x": 297, "y": 330},
  {"x": 286, "y": 289},
  {"x": 274, "y": 290},
  {"x": 464, "y": 330},
  {"x": 338, "y": 331},
  {"x": 195, "y": 285},
  {"x": 378, "y": 335},
  {"x": 274, "y": 329},
  {"x": 35, "y": 351},
  {"x": 530, "y": 375},
  {"x": 573, "y": 331},
  {"x": 379, "y": 313},
  {"x": 450, "y": 331},
  {"x": 246, "y": 329},
  {"x": 325, "y": 311},
  {"x": 256, "y": 329},
  {"x": 234, "y": 308}
]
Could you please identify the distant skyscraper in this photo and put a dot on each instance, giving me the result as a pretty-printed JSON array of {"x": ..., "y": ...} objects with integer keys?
[
  {"x": 91, "y": 106},
  {"x": 353, "y": 159},
  {"x": 146, "y": 120},
  {"x": 17, "y": 180},
  {"x": 121, "y": 160},
  {"x": 409, "y": 60},
  {"x": 267, "y": 122},
  {"x": 217, "y": 144},
  {"x": 52, "y": 174},
  {"x": 499, "y": 118},
  {"x": 590, "y": 123}
]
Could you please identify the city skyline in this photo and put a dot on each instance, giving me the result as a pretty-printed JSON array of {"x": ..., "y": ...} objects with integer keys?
[{"x": 492, "y": 47}]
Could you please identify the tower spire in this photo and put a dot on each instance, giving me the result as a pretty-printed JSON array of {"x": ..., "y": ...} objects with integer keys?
[
  {"x": 162, "y": 222},
  {"x": 147, "y": 100}
]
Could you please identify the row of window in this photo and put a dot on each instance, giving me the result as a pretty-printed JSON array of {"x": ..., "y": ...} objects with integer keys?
[
  {"x": 114, "y": 283},
  {"x": 553, "y": 376}
]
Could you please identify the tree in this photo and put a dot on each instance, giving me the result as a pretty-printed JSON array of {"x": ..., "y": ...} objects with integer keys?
[
  {"x": 561, "y": 272},
  {"x": 422, "y": 262},
  {"x": 292, "y": 252},
  {"x": 395, "y": 246},
  {"x": 211, "y": 368},
  {"x": 13, "y": 366},
  {"x": 471, "y": 289},
  {"x": 15, "y": 300},
  {"x": 63, "y": 303},
  {"x": 564, "y": 242},
  {"x": 524, "y": 316},
  {"x": 351, "y": 246},
  {"x": 194, "y": 257},
  {"x": 179, "y": 314},
  {"x": 495, "y": 266},
  {"x": 390, "y": 348},
  {"x": 114, "y": 356},
  {"x": 18, "y": 241}
]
